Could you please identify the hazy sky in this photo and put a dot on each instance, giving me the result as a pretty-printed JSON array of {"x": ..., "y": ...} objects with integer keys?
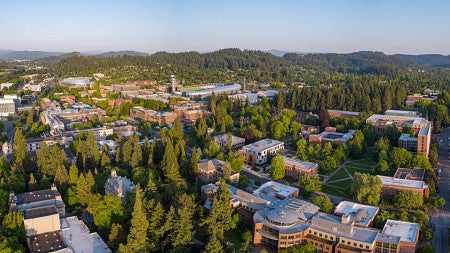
[{"x": 391, "y": 26}]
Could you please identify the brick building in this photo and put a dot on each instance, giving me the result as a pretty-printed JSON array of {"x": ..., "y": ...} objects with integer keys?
[
  {"x": 295, "y": 167},
  {"x": 161, "y": 118}
]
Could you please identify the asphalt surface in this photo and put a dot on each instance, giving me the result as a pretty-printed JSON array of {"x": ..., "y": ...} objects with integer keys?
[{"x": 440, "y": 219}]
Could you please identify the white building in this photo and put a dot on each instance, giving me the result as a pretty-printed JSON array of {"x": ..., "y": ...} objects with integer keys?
[{"x": 258, "y": 152}]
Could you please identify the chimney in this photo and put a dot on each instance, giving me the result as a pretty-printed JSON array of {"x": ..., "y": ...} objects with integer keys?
[{"x": 345, "y": 219}]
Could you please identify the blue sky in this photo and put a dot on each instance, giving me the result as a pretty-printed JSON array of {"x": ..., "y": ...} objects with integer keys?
[{"x": 391, "y": 26}]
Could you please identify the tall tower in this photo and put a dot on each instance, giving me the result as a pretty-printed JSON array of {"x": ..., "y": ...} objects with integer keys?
[{"x": 173, "y": 84}]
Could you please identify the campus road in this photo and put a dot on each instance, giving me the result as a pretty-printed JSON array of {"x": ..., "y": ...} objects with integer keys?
[{"x": 440, "y": 219}]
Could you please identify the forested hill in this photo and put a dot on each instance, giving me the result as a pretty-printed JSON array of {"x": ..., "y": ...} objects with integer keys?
[
  {"x": 222, "y": 65},
  {"x": 429, "y": 60},
  {"x": 359, "y": 62},
  {"x": 228, "y": 65}
]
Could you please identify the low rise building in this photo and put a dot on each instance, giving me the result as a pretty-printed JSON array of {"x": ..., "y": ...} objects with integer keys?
[
  {"x": 118, "y": 186},
  {"x": 161, "y": 118},
  {"x": 37, "y": 199},
  {"x": 76, "y": 82},
  {"x": 330, "y": 135},
  {"x": 259, "y": 152},
  {"x": 392, "y": 186},
  {"x": 236, "y": 142},
  {"x": 295, "y": 167},
  {"x": 218, "y": 89},
  {"x": 211, "y": 171},
  {"x": 407, "y": 231}
]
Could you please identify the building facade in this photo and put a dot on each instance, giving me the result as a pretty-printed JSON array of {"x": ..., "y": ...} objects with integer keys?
[
  {"x": 212, "y": 170},
  {"x": 294, "y": 168},
  {"x": 257, "y": 153}
]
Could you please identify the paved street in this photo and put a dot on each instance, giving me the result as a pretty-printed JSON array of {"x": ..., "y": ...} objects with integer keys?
[{"x": 441, "y": 218}]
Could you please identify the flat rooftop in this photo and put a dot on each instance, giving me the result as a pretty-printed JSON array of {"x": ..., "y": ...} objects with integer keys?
[
  {"x": 425, "y": 130},
  {"x": 412, "y": 174},
  {"x": 406, "y": 230},
  {"x": 80, "y": 238},
  {"x": 402, "y": 182},
  {"x": 224, "y": 138},
  {"x": 262, "y": 145},
  {"x": 344, "y": 112},
  {"x": 274, "y": 189},
  {"x": 332, "y": 224},
  {"x": 401, "y": 113},
  {"x": 334, "y": 136},
  {"x": 360, "y": 214},
  {"x": 299, "y": 163}
]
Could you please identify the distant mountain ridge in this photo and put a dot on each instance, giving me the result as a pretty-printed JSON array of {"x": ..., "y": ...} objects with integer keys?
[
  {"x": 35, "y": 55},
  {"x": 349, "y": 61},
  {"x": 26, "y": 55}
]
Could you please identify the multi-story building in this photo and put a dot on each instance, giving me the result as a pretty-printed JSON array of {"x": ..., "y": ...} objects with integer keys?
[
  {"x": 236, "y": 142},
  {"x": 118, "y": 186},
  {"x": 218, "y": 89},
  {"x": 398, "y": 119},
  {"x": 419, "y": 125},
  {"x": 47, "y": 228},
  {"x": 330, "y": 135},
  {"x": 280, "y": 220},
  {"x": 419, "y": 144},
  {"x": 424, "y": 140},
  {"x": 161, "y": 118},
  {"x": 284, "y": 225},
  {"x": 76, "y": 82},
  {"x": 392, "y": 186},
  {"x": 258, "y": 152},
  {"x": 7, "y": 107},
  {"x": 37, "y": 199},
  {"x": 211, "y": 171},
  {"x": 407, "y": 232},
  {"x": 295, "y": 167}
]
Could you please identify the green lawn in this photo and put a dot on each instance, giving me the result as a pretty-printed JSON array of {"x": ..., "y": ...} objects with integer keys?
[
  {"x": 353, "y": 170},
  {"x": 340, "y": 174},
  {"x": 335, "y": 191},
  {"x": 343, "y": 184}
]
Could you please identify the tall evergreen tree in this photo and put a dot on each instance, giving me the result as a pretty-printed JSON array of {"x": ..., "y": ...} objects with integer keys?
[
  {"x": 220, "y": 218},
  {"x": 156, "y": 223},
  {"x": 171, "y": 172},
  {"x": 105, "y": 160},
  {"x": 20, "y": 151},
  {"x": 137, "y": 238},
  {"x": 183, "y": 226}
]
